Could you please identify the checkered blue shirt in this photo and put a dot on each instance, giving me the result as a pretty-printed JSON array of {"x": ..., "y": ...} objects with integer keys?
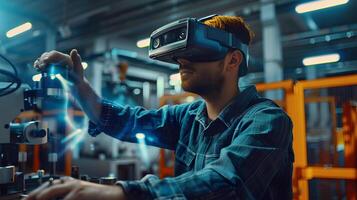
[{"x": 246, "y": 153}]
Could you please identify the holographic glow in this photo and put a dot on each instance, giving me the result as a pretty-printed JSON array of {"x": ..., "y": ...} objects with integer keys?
[
  {"x": 140, "y": 136},
  {"x": 143, "y": 148},
  {"x": 65, "y": 85},
  {"x": 52, "y": 70},
  {"x": 64, "y": 82},
  {"x": 76, "y": 137},
  {"x": 74, "y": 143},
  {"x": 71, "y": 136}
]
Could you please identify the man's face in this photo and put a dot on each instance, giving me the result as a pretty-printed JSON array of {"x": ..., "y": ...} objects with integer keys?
[{"x": 201, "y": 78}]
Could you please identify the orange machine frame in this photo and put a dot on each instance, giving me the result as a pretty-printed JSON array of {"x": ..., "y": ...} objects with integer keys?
[
  {"x": 30, "y": 115},
  {"x": 305, "y": 172},
  {"x": 294, "y": 95}
]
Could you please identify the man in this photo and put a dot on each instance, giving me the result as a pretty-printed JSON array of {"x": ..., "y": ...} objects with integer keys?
[{"x": 231, "y": 145}]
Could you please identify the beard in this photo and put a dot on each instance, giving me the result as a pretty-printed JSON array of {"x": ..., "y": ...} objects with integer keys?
[
  {"x": 203, "y": 82},
  {"x": 203, "y": 87}
]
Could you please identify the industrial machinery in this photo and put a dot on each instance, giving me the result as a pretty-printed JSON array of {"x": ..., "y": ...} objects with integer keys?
[
  {"x": 37, "y": 115},
  {"x": 18, "y": 100}
]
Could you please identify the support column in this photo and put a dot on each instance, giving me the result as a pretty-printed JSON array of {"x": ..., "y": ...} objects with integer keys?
[
  {"x": 50, "y": 40},
  {"x": 95, "y": 76},
  {"x": 313, "y": 114},
  {"x": 272, "y": 48}
]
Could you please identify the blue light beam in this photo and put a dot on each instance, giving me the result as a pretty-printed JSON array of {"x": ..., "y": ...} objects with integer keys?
[{"x": 143, "y": 148}]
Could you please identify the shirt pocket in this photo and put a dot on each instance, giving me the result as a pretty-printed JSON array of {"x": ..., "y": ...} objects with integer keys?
[{"x": 184, "y": 157}]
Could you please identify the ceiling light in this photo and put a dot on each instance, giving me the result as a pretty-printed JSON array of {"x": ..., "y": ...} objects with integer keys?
[
  {"x": 322, "y": 59},
  {"x": 317, "y": 5},
  {"x": 143, "y": 43},
  {"x": 19, "y": 29}
]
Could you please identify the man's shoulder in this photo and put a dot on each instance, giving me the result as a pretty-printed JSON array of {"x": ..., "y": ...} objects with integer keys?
[{"x": 264, "y": 107}]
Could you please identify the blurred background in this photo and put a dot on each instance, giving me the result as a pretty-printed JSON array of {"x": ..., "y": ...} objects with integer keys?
[{"x": 303, "y": 55}]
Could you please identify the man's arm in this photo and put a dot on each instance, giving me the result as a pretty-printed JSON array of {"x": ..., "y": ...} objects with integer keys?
[
  {"x": 160, "y": 126},
  {"x": 244, "y": 169}
]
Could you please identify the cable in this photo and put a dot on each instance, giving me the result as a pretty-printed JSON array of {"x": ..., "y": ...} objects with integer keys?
[
  {"x": 15, "y": 80},
  {"x": 10, "y": 63}
]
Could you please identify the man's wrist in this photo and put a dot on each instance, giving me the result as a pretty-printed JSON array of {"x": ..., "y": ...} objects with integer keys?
[
  {"x": 118, "y": 192},
  {"x": 81, "y": 83}
]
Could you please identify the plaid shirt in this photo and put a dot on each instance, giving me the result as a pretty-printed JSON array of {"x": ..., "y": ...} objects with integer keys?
[{"x": 246, "y": 153}]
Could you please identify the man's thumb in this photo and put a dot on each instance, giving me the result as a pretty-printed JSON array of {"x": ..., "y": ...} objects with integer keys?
[{"x": 76, "y": 59}]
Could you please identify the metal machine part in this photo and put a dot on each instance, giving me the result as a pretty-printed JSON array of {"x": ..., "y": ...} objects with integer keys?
[
  {"x": 48, "y": 95},
  {"x": 27, "y": 133},
  {"x": 30, "y": 132},
  {"x": 7, "y": 175},
  {"x": 50, "y": 85},
  {"x": 12, "y": 103},
  {"x": 107, "y": 180}
]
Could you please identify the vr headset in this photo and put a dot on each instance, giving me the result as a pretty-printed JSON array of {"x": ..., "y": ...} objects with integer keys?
[{"x": 191, "y": 39}]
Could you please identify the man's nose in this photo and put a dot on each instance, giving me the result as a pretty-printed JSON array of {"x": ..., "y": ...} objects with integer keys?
[{"x": 183, "y": 61}]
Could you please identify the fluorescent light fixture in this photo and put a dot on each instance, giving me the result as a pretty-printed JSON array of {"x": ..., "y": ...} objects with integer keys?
[
  {"x": 19, "y": 29},
  {"x": 322, "y": 59},
  {"x": 317, "y": 5},
  {"x": 143, "y": 43},
  {"x": 85, "y": 65}
]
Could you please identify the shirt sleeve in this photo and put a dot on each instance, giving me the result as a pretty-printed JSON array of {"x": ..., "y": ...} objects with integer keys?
[
  {"x": 243, "y": 170},
  {"x": 161, "y": 127}
]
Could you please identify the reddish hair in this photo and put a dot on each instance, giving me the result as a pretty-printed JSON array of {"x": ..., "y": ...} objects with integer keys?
[{"x": 233, "y": 24}]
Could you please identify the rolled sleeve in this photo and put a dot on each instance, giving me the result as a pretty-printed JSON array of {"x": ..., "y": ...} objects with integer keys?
[
  {"x": 151, "y": 187},
  {"x": 161, "y": 127},
  {"x": 107, "y": 113}
]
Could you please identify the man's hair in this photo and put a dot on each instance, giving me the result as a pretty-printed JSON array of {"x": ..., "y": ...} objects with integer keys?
[{"x": 232, "y": 24}]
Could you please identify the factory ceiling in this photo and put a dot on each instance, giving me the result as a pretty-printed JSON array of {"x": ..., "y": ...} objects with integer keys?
[{"x": 77, "y": 24}]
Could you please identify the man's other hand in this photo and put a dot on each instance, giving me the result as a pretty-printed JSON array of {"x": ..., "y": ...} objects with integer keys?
[
  {"x": 70, "y": 189},
  {"x": 73, "y": 61}
]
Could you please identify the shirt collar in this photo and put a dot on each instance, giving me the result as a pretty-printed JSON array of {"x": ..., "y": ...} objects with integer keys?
[{"x": 234, "y": 108}]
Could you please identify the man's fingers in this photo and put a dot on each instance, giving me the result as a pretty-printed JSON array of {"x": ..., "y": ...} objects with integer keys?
[
  {"x": 32, "y": 195},
  {"x": 53, "y": 57},
  {"x": 57, "y": 190},
  {"x": 77, "y": 61},
  {"x": 36, "y": 64},
  {"x": 73, "y": 195}
]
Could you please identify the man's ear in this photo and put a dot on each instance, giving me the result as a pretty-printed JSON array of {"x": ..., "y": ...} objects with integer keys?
[{"x": 235, "y": 58}]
